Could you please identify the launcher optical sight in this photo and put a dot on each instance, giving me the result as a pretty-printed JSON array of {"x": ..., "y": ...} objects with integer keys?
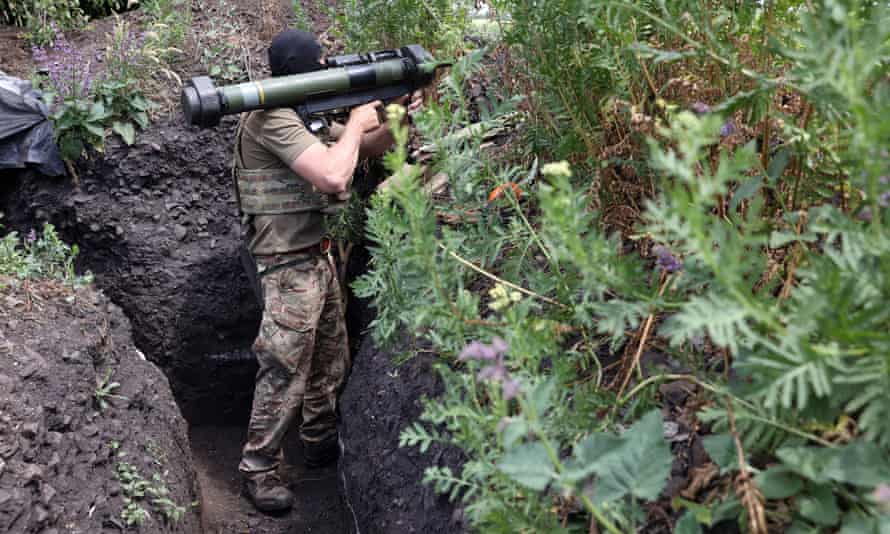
[{"x": 344, "y": 82}]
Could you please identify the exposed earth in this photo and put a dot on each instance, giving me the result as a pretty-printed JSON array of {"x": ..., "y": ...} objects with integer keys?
[
  {"x": 156, "y": 225},
  {"x": 83, "y": 417}
]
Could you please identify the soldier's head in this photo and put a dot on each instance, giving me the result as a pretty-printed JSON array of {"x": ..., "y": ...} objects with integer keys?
[{"x": 294, "y": 52}]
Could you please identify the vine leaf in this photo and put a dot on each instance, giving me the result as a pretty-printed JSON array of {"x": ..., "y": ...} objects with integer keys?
[
  {"x": 722, "y": 450},
  {"x": 125, "y": 130},
  {"x": 529, "y": 465},
  {"x": 820, "y": 506},
  {"x": 640, "y": 466},
  {"x": 687, "y": 525},
  {"x": 778, "y": 483}
]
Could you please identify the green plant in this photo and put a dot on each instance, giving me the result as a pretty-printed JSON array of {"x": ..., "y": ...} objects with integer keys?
[
  {"x": 168, "y": 27},
  {"x": 137, "y": 491},
  {"x": 129, "y": 58},
  {"x": 45, "y": 257},
  {"x": 221, "y": 48},
  {"x": 85, "y": 101},
  {"x": 438, "y": 24},
  {"x": 134, "y": 488},
  {"x": 749, "y": 144},
  {"x": 43, "y": 18},
  {"x": 105, "y": 390},
  {"x": 301, "y": 19}
]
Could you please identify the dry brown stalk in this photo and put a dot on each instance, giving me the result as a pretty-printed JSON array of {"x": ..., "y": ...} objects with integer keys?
[
  {"x": 746, "y": 489},
  {"x": 635, "y": 364},
  {"x": 792, "y": 260},
  {"x": 499, "y": 280}
]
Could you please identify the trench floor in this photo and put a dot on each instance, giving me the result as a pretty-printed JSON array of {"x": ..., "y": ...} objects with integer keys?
[{"x": 320, "y": 507}]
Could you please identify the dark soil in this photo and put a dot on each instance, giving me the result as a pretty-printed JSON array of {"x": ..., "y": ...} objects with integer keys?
[
  {"x": 383, "y": 480},
  {"x": 15, "y": 59},
  {"x": 319, "y": 509},
  {"x": 59, "y": 448},
  {"x": 156, "y": 224}
]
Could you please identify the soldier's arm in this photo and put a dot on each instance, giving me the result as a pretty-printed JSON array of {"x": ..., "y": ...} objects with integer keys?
[
  {"x": 330, "y": 169},
  {"x": 378, "y": 141}
]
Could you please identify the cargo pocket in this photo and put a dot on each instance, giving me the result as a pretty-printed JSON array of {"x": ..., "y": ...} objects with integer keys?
[{"x": 300, "y": 298}]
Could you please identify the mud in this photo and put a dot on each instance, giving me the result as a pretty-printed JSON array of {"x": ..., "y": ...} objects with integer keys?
[
  {"x": 61, "y": 449},
  {"x": 320, "y": 507}
]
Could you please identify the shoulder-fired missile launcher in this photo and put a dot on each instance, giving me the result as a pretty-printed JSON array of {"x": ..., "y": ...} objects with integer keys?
[{"x": 345, "y": 81}]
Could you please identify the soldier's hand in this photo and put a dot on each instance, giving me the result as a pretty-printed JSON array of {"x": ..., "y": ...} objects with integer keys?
[
  {"x": 416, "y": 101},
  {"x": 412, "y": 105},
  {"x": 366, "y": 115}
]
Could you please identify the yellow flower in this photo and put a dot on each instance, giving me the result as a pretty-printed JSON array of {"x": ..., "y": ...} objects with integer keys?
[
  {"x": 395, "y": 112},
  {"x": 559, "y": 168}
]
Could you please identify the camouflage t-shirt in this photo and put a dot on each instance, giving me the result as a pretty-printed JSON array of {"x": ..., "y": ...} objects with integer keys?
[{"x": 272, "y": 139}]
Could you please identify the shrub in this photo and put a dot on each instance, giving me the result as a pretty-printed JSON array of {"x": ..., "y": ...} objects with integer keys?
[
  {"x": 85, "y": 100},
  {"x": 752, "y": 141},
  {"x": 39, "y": 15},
  {"x": 439, "y": 25}
]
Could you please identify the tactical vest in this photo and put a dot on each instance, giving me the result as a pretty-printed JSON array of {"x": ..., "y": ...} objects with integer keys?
[{"x": 274, "y": 191}]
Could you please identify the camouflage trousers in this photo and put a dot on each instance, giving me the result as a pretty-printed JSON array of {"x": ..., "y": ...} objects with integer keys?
[{"x": 303, "y": 354}]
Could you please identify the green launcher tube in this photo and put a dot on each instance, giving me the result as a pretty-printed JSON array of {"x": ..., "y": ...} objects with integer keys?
[{"x": 365, "y": 74}]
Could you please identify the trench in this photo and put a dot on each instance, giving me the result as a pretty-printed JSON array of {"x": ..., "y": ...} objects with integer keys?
[
  {"x": 195, "y": 317},
  {"x": 218, "y": 415},
  {"x": 156, "y": 225}
]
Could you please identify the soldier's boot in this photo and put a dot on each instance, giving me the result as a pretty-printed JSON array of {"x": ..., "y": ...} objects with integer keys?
[
  {"x": 322, "y": 453},
  {"x": 267, "y": 492}
]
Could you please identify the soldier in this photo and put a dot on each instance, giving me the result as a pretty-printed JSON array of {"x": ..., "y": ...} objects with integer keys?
[{"x": 287, "y": 179}]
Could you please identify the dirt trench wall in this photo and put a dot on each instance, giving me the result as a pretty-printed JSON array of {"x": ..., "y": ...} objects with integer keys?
[
  {"x": 156, "y": 222},
  {"x": 384, "y": 480},
  {"x": 61, "y": 451}
]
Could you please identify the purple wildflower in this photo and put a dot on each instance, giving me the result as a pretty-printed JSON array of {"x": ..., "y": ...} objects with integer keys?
[
  {"x": 882, "y": 494},
  {"x": 728, "y": 128},
  {"x": 865, "y": 214},
  {"x": 31, "y": 238},
  {"x": 67, "y": 68},
  {"x": 125, "y": 56},
  {"x": 665, "y": 260},
  {"x": 884, "y": 199},
  {"x": 499, "y": 345},
  {"x": 496, "y": 371},
  {"x": 478, "y": 351},
  {"x": 700, "y": 107},
  {"x": 511, "y": 388},
  {"x": 884, "y": 180}
]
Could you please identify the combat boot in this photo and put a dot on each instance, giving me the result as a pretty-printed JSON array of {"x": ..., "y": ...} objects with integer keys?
[
  {"x": 267, "y": 492},
  {"x": 318, "y": 454}
]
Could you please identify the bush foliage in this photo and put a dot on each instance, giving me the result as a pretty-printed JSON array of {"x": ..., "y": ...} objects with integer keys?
[
  {"x": 37, "y": 16},
  {"x": 709, "y": 181},
  {"x": 92, "y": 96}
]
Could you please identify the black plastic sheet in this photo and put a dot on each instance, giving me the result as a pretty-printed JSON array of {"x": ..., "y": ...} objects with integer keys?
[{"x": 26, "y": 133}]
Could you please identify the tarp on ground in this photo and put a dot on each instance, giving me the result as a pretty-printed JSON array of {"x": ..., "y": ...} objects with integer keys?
[{"x": 26, "y": 133}]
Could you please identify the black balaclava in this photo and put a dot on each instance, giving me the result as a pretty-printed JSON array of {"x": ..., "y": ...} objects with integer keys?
[{"x": 294, "y": 52}]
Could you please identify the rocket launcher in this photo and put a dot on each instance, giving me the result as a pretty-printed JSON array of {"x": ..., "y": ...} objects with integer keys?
[{"x": 345, "y": 82}]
